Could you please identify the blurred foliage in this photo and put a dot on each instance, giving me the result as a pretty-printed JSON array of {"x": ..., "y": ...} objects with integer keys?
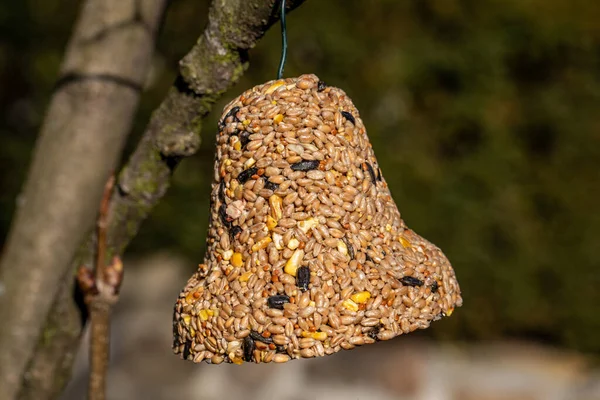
[{"x": 483, "y": 115}]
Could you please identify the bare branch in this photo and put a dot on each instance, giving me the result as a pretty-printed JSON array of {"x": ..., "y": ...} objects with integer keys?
[{"x": 87, "y": 122}]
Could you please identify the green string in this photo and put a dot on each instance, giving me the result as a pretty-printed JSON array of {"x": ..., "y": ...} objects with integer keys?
[{"x": 283, "y": 41}]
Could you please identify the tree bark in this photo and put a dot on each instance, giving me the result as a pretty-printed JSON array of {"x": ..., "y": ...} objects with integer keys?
[
  {"x": 213, "y": 65},
  {"x": 82, "y": 137}
]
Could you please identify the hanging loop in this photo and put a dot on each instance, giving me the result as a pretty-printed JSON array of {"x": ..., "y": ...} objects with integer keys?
[{"x": 283, "y": 41}]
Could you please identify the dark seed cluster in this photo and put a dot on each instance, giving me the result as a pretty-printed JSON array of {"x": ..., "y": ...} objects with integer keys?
[{"x": 307, "y": 252}]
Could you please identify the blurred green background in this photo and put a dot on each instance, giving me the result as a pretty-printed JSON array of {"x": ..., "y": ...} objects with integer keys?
[{"x": 483, "y": 115}]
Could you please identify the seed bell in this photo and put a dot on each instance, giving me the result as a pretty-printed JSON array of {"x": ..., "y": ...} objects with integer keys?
[{"x": 307, "y": 252}]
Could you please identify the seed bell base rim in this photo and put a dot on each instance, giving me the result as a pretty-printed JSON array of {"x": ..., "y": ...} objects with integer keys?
[{"x": 307, "y": 252}]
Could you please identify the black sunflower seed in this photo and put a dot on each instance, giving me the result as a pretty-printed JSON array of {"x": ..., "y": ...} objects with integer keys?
[
  {"x": 379, "y": 178},
  {"x": 260, "y": 338},
  {"x": 223, "y": 215},
  {"x": 222, "y": 191},
  {"x": 434, "y": 287},
  {"x": 303, "y": 278},
  {"x": 411, "y": 281},
  {"x": 371, "y": 173},
  {"x": 234, "y": 231},
  {"x": 230, "y": 113},
  {"x": 321, "y": 86},
  {"x": 244, "y": 138},
  {"x": 246, "y": 174},
  {"x": 249, "y": 347},
  {"x": 350, "y": 248},
  {"x": 280, "y": 348},
  {"x": 186, "y": 350},
  {"x": 270, "y": 185},
  {"x": 374, "y": 332},
  {"x": 305, "y": 165},
  {"x": 278, "y": 301},
  {"x": 349, "y": 117}
]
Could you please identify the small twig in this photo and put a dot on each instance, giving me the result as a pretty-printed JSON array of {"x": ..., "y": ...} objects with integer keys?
[
  {"x": 101, "y": 291},
  {"x": 101, "y": 227}
]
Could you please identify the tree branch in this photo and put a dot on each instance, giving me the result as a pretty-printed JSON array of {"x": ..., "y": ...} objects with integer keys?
[
  {"x": 80, "y": 142},
  {"x": 213, "y": 65}
]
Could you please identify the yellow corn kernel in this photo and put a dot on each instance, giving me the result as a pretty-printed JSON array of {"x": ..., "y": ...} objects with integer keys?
[
  {"x": 246, "y": 122},
  {"x": 350, "y": 305},
  {"x": 237, "y": 145},
  {"x": 276, "y": 204},
  {"x": 274, "y": 87},
  {"x": 271, "y": 223},
  {"x": 203, "y": 315},
  {"x": 236, "y": 360},
  {"x": 342, "y": 248},
  {"x": 245, "y": 276},
  {"x": 227, "y": 162},
  {"x": 192, "y": 332},
  {"x": 405, "y": 243},
  {"x": 291, "y": 266},
  {"x": 227, "y": 255},
  {"x": 274, "y": 102},
  {"x": 262, "y": 243},
  {"x": 308, "y": 224},
  {"x": 187, "y": 319},
  {"x": 293, "y": 244},
  {"x": 236, "y": 260},
  {"x": 360, "y": 297},
  {"x": 388, "y": 227},
  {"x": 278, "y": 241},
  {"x": 189, "y": 298},
  {"x": 450, "y": 311},
  {"x": 278, "y": 118},
  {"x": 321, "y": 336},
  {"x": 249, "y": 162}
]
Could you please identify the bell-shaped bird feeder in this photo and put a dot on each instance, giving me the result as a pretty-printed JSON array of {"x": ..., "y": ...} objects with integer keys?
[{"x": 307, "y": 252}]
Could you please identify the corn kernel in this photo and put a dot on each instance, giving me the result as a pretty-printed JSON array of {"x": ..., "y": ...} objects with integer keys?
[
  {"x": 192, "y": 332},
  {"x": 278, "y": 118},
  {"x": 360, "y": 297},
  {"x": 291, "y": 266},
  {"x": 236, "y": 360},
  {"x": 274, "y": 87},
  {"x": 203, "y": 315},
  {"x": 350, "y": 305},
  {"x": 237, "y": 145},
  {"x": 405, "y": 243},
  {"x": 276, "y": 204},
  {"x": 262, "y": 243},
  {"x": 236, "y": 260},
  {"x": 245, "y": 276},
  {"x": 293, "y": 244},
  {"x": 227, "y": 162},
  {"x": 249, "y": 162},
  {"x": 342, "y": 248},
  {"x": 227, "y": 255},
  {"x": 246, "y": 122},
  {"x": 189, "y": 298},
  {"x": 308, "y": 224},
  {"x": 450, "y": 311},
  {"x": 388, "y": 227},
  {"x": 321, "y": 336},
  {"x": 278, "y": 241},
  {"x": 271, "y": 223},
  {"x": 186, "y": 319}
]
